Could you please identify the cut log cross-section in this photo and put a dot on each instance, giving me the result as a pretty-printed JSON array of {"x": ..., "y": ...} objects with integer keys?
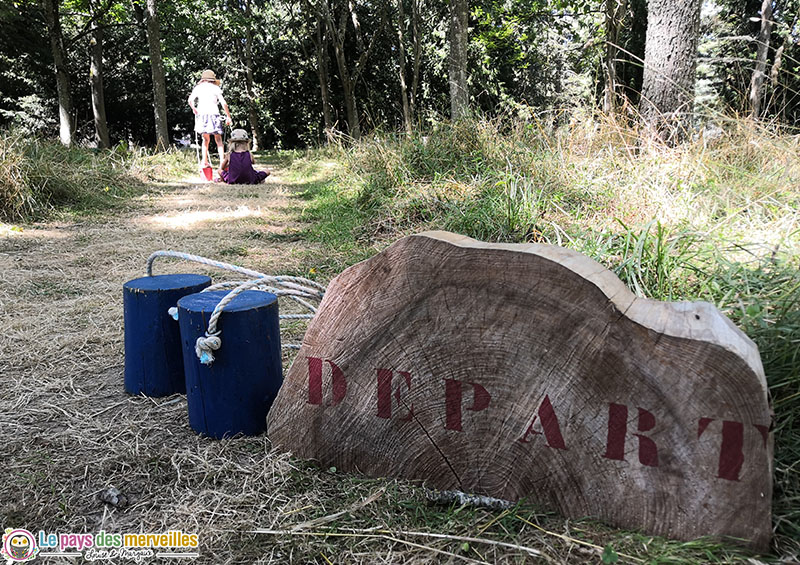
[{"x": 530, "y": 371}]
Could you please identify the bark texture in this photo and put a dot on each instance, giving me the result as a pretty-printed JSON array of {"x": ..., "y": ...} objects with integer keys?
[
  {"x": 96, "y": 79},
  {"x": 321, "y": 47},
  {"x": 318, "y": 32},
  {"x": 249, "y": 83},
  {"x": 614, "y": 14},
  {"x": 401, "y": 70},
  {"x": 66, "y": 130},
  {"x": 157, "y": 72},
  {"x": 670, "y": 61},
  {"x": 338, "y": 31},
  {"x": 759, "y": 75},
  {"x": 415, "y": 30},
  {"x": 459, "y": 87}
]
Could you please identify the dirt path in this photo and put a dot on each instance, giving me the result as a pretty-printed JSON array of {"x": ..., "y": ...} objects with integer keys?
[{"x": 71, "y": 431}]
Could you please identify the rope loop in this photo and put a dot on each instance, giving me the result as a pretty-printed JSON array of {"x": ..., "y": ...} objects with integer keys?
[{"x": 300, "y": 290}]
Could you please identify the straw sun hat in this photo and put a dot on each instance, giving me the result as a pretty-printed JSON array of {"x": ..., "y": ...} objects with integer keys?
[{"x": 209, "y": 76}]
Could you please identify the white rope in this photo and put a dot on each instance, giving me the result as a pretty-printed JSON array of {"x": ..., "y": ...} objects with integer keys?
[
  {"x": 297, "y": 289},
  {"x": 205, "y": 346},
  {"x": 284, "y": 280},
  {"x": 295, "y": 295}
]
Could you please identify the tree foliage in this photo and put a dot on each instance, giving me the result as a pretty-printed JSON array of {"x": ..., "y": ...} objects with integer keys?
[{"x": 524, "y": 58}]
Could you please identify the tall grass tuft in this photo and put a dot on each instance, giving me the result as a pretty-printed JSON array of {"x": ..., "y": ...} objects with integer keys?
[
  {"x": 760, "y": 292},
  {"x": 500, "y": 180},
  {"x": 36, "y": 176}
]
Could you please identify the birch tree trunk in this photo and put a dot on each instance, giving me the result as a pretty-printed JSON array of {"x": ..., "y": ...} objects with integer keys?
[
  {"x": 757, "y": 81},
  {"x": 459, "y": 90},
  {"x": 157, "y": 71},
  {"x": 670, "y": 61},
  {"x": 66, "y": 128}
]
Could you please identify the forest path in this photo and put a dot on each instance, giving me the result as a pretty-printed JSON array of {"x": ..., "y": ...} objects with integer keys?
[
  {"x": 71, "y": 429},
  {"x": 59, "y": 275}
]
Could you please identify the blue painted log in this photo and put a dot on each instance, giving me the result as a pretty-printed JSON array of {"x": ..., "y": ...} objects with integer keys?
[
  {"x": 153, "y": 358},
  {"x": 233, "y": 394}
]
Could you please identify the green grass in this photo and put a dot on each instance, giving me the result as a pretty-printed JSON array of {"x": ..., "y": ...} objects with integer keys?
[
  {"x": 38, "y": 177},
  {"x": 719, "y": 223}
]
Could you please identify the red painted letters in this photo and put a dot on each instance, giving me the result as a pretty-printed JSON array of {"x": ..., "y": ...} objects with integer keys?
[
  {"x": 391, "y": 391},
  {"x": 452, "y": 401},
  {"x": 731, "y": 452},
  {"x": 338, "y": 382},
  {"x": 385, "y": 394},
  {"x": 618, "y": 430},
  {"x": 550, "y": 427}
]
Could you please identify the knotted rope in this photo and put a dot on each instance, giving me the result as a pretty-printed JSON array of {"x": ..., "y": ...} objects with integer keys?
[{"x": 298, "y": 289}]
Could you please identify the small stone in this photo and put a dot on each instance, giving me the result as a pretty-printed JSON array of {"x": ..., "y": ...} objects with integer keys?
[{"x": 113, "y": 497}]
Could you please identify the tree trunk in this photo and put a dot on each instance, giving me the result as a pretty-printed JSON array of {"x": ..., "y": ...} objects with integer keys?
[
  {"x": 615, "y": 12},
  {"x": 401, "y": 56},
  {"x": 670, "y": 60},
  {"x": 757, "y": 80},
  {"x": 776, "y": 65},
  {"x": 417, "y": 56},
  {"x": 322, "y": 74},
  {"x": 350, "y": 78},
  {"x": 351, "y": 108},
  {"x": 320, "y": 39},
  {"x": 459, "y": 90},
  {"x": 249, "y": 83},
  {"x": 96, "y": 79},
  {"x": 66, "y": 126},
  {"x": 157, "y": 71},
  {"x": 348, "y": 81}
]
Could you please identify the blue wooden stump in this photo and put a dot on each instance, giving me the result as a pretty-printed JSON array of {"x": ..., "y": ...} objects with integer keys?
[
  {"x": 153, "y": 359},
  {"x": 233, "y": 394}
]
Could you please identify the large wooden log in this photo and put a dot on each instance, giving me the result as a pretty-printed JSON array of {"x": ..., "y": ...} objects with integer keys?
[{"x": 530, "y": 371}]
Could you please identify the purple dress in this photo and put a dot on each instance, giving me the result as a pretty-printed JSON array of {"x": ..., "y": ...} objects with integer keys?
[{"x": 240, "y": 170}]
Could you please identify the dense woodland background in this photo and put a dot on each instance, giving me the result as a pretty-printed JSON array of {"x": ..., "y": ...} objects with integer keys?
[{"x": 296, "y": 72}]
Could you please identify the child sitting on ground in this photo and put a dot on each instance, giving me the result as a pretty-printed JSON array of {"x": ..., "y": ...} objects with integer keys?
[{"x": 237, "y": 166}]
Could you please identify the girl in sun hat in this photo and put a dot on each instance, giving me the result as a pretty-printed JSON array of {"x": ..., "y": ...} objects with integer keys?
[
  {"x": 207, "y": 121},
  {"x": 237, "y": 166}
]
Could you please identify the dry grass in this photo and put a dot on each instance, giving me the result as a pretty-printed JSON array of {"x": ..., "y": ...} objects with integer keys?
[{"x": 71, "y": 431}]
